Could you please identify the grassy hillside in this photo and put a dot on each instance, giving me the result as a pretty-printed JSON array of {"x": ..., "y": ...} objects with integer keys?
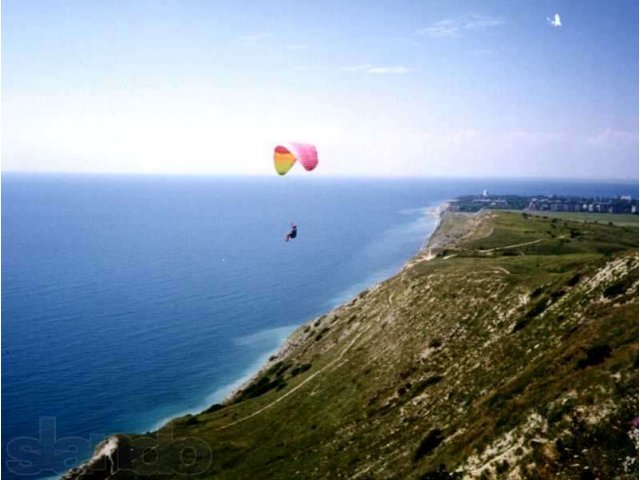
[
  {"x": 507, "y": 349},
  {"x": 620, "y": 219}
]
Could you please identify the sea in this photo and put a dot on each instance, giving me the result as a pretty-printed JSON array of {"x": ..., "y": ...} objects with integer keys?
[{"x": 128, "y": 300}]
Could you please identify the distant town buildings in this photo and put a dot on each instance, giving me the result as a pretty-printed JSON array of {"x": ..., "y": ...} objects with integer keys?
[
  {"x": 597, "y": 204},
  {"x": 550, "y": 203}
]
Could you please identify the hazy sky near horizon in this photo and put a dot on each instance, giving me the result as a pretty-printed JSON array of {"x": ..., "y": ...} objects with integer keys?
[{"x": 397, "y": 87}]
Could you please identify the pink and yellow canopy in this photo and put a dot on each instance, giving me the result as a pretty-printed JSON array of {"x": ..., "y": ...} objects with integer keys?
[{"x": 285, "y": 155}]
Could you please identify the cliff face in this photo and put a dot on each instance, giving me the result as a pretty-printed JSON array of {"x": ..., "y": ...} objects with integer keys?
[{"x": 507, "y": 349}]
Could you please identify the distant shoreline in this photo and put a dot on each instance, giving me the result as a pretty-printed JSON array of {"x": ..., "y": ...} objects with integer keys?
[
  {"x": 443, "y": 233},
  {"x": 228, "y": 392},
  {"x": 438, "y": 212},
  {"x": 434, "y": 241},
  {"x": 273, "y": 356}
]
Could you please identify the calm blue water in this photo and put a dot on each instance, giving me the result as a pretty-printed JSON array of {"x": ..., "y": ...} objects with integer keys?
[{"x": 128, "y": 300}]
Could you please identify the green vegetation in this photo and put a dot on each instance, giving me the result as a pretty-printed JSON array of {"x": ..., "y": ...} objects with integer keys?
[
  {"x": 534, "y": 235},
  {"x": 513, "y": 351},
  {"x": 620, "y": 219},
  {"x": 434, "y": 438}
]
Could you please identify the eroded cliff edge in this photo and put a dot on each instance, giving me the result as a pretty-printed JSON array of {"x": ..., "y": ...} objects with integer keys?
[{"x": 508, "y": 348}]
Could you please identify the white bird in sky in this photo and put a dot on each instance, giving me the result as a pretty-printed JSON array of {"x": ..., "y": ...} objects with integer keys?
[{"x": 555, "y": 21}]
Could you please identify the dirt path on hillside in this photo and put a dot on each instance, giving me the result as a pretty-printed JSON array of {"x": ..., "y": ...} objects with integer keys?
[
  {"x": 512, "y": 246},
  {"x": 301, "y": 384}
]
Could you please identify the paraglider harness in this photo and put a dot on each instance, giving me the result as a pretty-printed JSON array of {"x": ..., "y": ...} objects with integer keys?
[{"x": 293, "y": 233}]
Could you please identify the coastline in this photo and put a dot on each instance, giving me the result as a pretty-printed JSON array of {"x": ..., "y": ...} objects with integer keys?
[
  {"x": 229, "y": 392},
  {"x": 219, "y": 394},
  {"x": 381, "y": 341},
  {"x": 297, "y": 335}
]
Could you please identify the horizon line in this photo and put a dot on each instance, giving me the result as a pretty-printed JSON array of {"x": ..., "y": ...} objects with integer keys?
[{"x": 323, "y": 175}]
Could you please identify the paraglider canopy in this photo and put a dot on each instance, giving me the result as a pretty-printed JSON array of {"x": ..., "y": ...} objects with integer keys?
[{"x": 285, "y": 155}]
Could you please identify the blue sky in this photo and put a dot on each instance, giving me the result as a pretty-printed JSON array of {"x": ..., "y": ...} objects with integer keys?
[{"x": 409, "y": 88}]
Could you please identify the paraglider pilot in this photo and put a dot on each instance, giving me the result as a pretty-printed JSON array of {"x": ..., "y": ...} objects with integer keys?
[{"x": 293, "y": 233}]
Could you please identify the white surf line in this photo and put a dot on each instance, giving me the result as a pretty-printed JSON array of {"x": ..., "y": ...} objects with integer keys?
[{"x": 257, "y": 412}]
